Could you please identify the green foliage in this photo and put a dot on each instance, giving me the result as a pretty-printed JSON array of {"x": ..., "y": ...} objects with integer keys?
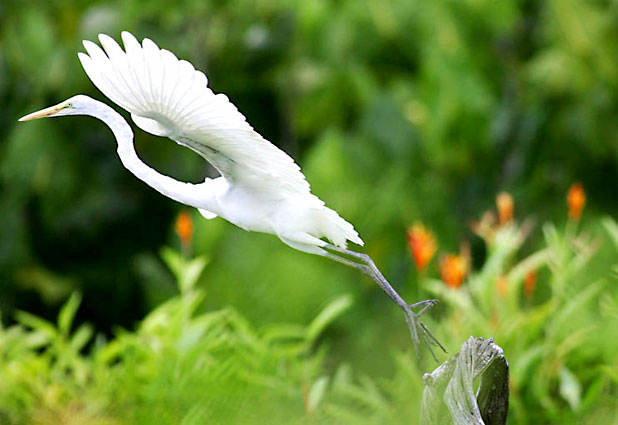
[
  {"x": 398, "y": 111},
  {"x": 179, "y": 366},
  {"x": 559, "y": 341},
  {"x": 186, "y": 365}
]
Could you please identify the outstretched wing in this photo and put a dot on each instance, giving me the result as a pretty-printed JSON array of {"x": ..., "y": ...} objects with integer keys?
[{"x": 168, "y": 97}]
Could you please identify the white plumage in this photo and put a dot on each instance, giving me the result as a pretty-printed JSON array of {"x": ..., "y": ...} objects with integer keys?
[
  {"x": 168, "y": 97},
  {"x": 260, "y": 188}
]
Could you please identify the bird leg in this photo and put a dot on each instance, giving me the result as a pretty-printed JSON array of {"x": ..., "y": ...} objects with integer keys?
[{"x": 366, "y": 265}]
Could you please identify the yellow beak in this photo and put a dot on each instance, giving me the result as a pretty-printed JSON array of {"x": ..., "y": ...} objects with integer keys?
[{"x": 44, "y": 113}]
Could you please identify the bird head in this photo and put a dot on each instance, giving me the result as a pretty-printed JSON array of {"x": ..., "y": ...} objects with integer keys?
[{"x": 75, "y": 105}]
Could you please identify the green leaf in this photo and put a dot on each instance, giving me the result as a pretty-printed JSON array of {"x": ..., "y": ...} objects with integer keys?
[
  {"x": 593, "y": 392},
  {"x": 191, "y": 273},
  {"x": 283, "y": 332},
  {"x": 34, "y": 340},
  {"x": 316, "y": 393},
  {"x": 186, "y": 272},
  {"x": 112, "y": 351},
  {"x": 612, "y": 228},
  {"x": 67, "y": 313},
  {"x": 81, "y": 337},
  {"x": 328, "y": 315},
  {"x": 570, "y": 388},
  {"x": 196, "y": 415},
  {"x": 564, "y": 317},
  {"x": 343, "y": 375},
  {"x": 191, "y": 335},
  {"x": 36, "y": 323},
  {"x": 173, "y": 260}
]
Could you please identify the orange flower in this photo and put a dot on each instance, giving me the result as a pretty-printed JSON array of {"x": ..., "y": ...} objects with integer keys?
[
  {"x": 422, "y": 245},
  {"x": 502, "y": 285},
  {"x": 504, "y": 202},
  {"x": 454, "y": 269},
  {"x": 576, "y": 200},
  {"x": 184, "y": 227},
  {"x": 529, "y": 283}
]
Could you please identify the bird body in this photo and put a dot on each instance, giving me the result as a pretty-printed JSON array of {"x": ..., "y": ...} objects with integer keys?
[{"x": 260, "y": 188}]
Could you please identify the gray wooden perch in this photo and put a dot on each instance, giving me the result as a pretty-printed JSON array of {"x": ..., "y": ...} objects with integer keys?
[{"x": 449, "y": 396}]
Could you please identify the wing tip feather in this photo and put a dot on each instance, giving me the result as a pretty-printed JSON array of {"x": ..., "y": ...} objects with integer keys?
[
  {"x": 149, "y": 44},
  {"x": 130, "y": 42},
  {"x": 93, "y": 49},
  {"x": 83, "y": 57},
  {"x": 104, "y": 39}
]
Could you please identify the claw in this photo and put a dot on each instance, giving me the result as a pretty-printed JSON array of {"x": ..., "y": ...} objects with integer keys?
[
  {"x": 366, "y": 265},
  {"x": 427, "y": 305},
  {"x": 426, "y": 302},
  {"x": 419, "y": 330}
]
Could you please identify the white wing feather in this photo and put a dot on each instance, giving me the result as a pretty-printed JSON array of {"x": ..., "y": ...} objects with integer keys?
[{"x": 168, "y": 97}]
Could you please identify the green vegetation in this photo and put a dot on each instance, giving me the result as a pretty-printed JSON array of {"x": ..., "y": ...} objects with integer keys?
[
  {"x": 183, "y": 366},
  {"x": 398, "y": 111}
]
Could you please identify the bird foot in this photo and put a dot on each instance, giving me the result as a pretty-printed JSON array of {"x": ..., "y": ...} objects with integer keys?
[
  {"x": 418, "y": 330},
  {"x": 427, "y": 304}
]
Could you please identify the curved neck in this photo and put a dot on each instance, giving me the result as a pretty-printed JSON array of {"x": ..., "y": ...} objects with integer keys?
[{"x": 185, "y": 193}]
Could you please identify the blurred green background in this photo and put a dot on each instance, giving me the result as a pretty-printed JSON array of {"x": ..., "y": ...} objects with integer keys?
[{"x": 397, "y": 111}]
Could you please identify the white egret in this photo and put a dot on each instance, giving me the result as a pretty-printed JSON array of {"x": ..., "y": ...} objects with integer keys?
[{"x": 260, "y": 188}]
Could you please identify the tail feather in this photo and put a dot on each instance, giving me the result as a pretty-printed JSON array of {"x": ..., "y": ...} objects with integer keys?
[{"x": 336, "y": 229}]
